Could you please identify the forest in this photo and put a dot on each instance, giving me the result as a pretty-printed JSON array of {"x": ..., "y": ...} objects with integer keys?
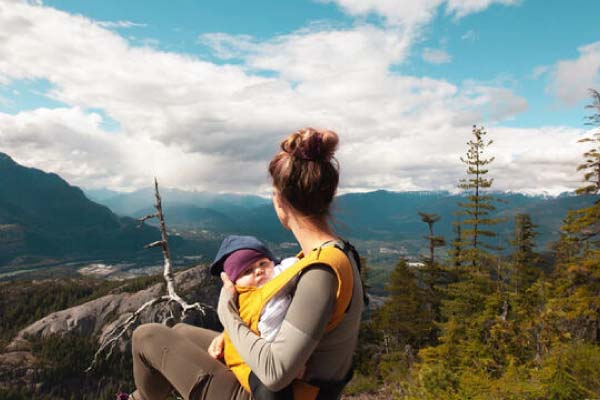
[{"x": 479, "y": 325}]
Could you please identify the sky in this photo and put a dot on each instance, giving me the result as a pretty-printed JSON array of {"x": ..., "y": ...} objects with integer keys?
[{"x": 109, "y": 94}]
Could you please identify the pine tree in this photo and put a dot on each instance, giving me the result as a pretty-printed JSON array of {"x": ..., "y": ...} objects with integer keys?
[
  {"x": 457, "y": 245},
  {"x": 577, "y": 272},
  {"x": 476, "y": 210},
  {"x": 592, "y": 162},
  {"x": 558, "y": 374},
  {"x": 434, "y": 241},
  {"x": 580, "y": 241},
  {"x": 475, "y": 331},
  {"x": 524, "y": 259},
  {"x": 434, "y": 276},
  {"x": 584, "y": 224},
  {"x": 403, "y": 317}
]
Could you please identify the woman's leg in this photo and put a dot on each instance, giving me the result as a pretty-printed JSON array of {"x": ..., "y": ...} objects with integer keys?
[
  {"x": 148, "y": 346},
  {"x": 201, "y": 337},
  {"x": 166, "y": 358}
]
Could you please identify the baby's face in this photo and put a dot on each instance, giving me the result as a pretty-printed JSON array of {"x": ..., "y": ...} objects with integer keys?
[{"x": 258, "y": 273}]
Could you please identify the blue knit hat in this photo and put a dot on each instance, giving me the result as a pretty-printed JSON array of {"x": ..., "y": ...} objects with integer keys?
[{"x": 236, "y": 242}]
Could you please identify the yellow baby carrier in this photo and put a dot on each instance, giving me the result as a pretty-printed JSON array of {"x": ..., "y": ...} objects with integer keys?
[{"x": 252, "y": 300}]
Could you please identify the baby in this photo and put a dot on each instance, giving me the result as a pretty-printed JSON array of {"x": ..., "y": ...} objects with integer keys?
[{"x": 251, "y": 264}]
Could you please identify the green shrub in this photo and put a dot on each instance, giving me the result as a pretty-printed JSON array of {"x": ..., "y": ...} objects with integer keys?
[{"x": 362, "y": 384}]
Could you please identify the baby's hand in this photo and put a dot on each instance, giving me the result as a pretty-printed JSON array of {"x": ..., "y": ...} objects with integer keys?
[{"x": 215, "y": 348}]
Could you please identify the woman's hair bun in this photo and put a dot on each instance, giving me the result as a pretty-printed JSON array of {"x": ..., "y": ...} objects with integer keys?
[
  {"x": 305, "y": 172},
  {"x": 311, "y": 145}
]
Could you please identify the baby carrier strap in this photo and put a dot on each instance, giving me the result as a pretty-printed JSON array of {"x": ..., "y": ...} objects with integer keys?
[
  {"x": 350, "y": 250},
  {"x": 339, "y": 262}
]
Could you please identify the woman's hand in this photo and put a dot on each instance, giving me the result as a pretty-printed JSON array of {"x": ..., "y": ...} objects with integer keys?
[
  {"x": 227, "y": 299},
  {"x": 227, "y": 284},
  {"x": 215, "y": 348}
]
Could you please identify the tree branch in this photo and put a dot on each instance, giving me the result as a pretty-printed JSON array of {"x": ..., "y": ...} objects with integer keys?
[{"x": 118, "y": 331}]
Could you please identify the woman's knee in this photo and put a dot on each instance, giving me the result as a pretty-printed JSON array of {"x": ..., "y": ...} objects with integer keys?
[
  {"x": 180, "y": 326},
  {"x": 198, "y": 336},
  {"x": 147, "y": 333}
]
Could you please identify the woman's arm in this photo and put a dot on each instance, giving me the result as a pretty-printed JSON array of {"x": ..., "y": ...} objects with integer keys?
[{"x": 277, "y": 363}]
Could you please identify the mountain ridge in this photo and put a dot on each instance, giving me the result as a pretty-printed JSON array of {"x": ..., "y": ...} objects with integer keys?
[
  {"x": 46, "y": 217},
  {"x": 382, "y": 214},
  {"x": 42, "y": 215}
]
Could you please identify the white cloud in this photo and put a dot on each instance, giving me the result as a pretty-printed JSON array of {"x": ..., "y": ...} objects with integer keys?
[
  {"x": 150, "y": 93},
  {"x": 423, "y": 161},
  {"x": 200, "y": 125},
  {"x": 71, "y": 143},
  {"x": 317, "y": 54},
  {"x": 523, "y": 162},
  {"x": 120, "y": 24},
  {"x": 436, "y": 56},
  {"x": 462, "y": 8},
  {"x": 491, "y": 103},
  {"x": 572, "y": 78},
  {"x": 66, "y": 141},
  {"x": 414, "y": 13},
  {"x": 409, "y": 13},
  {"x": 227, "y": 46}
]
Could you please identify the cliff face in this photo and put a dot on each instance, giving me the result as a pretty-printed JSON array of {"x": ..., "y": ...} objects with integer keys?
[{"x": 96, "y": 318}]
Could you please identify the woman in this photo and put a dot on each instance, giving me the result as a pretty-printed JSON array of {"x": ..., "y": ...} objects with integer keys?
[{"x": 305, "y": 177}]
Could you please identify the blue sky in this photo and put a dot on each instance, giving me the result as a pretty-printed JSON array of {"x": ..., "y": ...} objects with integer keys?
[{"x": 195, "y": 90}]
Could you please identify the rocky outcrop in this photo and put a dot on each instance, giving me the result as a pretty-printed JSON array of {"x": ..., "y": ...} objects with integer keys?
[{"x": 97, "y": 317}]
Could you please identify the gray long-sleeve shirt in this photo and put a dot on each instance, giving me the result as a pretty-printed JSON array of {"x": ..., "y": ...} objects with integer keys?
[{"x": 302, "y": 340}]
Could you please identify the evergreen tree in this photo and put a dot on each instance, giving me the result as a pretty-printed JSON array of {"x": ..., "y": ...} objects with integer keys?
[
  {"x": 457, "y": 245},
  {"x": 562, "y": 380},
  {"x": 591, "y": 166},
  {"x": 580, "y": 241},
  {"x": 584, "y": 224},
  {"x": 434, "y": 241},
  {"x": 577, "y": 272},
  {"x": 476, "y": 210},
  {"x": 434, "y": 277},
  {"x": 525, "y": 259},
  {"x": 404, "y": 318},
  {"x": 473, "y": 301}
]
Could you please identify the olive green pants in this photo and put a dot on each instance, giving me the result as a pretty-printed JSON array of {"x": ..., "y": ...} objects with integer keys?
[{"x": 176, "y": 358}]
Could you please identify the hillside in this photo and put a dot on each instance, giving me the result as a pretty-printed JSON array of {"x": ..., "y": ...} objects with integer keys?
[
  {"x": 51, "y": 329},
  {"x": 42, "y": 217}
]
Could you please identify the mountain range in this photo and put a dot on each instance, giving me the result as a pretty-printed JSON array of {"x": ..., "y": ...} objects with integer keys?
[
  {"x": 43, "y": 217},
  {"x": 378, "y": 216}
]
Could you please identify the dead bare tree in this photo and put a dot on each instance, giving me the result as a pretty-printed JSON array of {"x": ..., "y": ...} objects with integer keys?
[{"x": 111, "y": 340}]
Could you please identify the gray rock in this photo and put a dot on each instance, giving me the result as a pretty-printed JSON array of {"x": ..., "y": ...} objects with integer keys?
[{"x": 97, "y": 317}]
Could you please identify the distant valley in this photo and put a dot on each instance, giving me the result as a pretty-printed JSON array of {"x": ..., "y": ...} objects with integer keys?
[
  {"x": 46, "y": 222},
  {"x": 384, "y": 223}
]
